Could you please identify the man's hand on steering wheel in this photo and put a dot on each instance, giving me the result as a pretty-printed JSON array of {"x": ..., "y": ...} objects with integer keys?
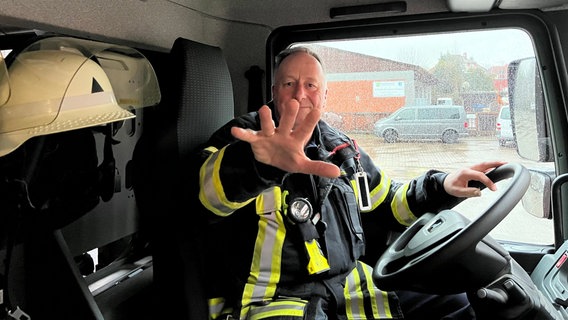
[{"x": 456, "y": 183}]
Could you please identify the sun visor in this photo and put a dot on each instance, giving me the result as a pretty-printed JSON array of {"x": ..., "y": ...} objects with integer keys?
[{"x": 61, "y": 83}]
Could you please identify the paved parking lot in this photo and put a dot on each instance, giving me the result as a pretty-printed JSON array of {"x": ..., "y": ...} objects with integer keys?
[{"x": 406, "y": 159}]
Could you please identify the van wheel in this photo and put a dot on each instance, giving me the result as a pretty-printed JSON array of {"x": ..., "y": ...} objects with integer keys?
[
  {"x": 450, "y": 136},
  {"x": 390, "y": 136}
]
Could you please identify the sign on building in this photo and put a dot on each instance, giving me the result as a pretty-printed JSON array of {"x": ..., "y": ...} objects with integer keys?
[{"x": 388, "y": 89}]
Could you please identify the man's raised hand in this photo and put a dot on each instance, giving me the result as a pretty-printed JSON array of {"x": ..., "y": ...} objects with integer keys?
[{"x": 283, "y": 146}]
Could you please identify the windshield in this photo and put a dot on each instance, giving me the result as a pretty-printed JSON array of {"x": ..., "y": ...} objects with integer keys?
[{"x": 371, "y": 79}]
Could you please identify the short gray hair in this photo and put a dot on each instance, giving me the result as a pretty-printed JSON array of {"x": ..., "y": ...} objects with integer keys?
[{"x": 289, "y": 51}]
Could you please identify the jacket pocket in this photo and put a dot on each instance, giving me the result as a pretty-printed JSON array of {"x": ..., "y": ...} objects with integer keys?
[
  {"x": 291, "y": 308},
  {"x": 344, "y": 234}
]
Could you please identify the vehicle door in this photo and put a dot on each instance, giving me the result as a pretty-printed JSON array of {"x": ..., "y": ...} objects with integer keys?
[
  {"x": 428, "y": 123},
  {"x": 405, "y": 122}
]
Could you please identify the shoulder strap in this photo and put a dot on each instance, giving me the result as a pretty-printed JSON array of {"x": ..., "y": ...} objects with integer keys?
[{"x": 342, "y": 150}]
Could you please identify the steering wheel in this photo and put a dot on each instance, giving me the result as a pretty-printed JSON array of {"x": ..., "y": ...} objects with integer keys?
[{"x": 446, "y": 252}]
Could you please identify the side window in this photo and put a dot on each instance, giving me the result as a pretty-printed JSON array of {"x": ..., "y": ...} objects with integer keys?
[
  {"x": 427, "y": 114},
  {"x": 451, "y": 113},
  {"x": 459, "y": 68},
  {"x": 406, "y": 115}
]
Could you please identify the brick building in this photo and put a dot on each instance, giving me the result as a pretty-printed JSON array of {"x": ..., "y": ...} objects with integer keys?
[{"x": 363, "y": 89}]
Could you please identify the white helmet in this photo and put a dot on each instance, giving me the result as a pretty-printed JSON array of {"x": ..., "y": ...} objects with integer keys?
[{"x": 60, "y": 84}]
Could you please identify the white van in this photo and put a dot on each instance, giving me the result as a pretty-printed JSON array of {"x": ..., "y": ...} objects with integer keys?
[
  {"x": 504, "y": 129},
  {"x": 444, "y": 122}
]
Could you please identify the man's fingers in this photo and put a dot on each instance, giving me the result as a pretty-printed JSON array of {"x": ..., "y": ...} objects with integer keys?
[
  {"x": 266, "y": 122},
  {"x": 488, "y": 165},
  {"x": 482, "y": 168},
  {"x": 288, "y": 117},
  {"x": 321, "y": 168},
  {"x": 470, "y": 192},
  {"x": 244, "y": 134},
  {"x": 307, "y": 127},
  {"x": 487, "y": 182},
  {"x": 285, "y": 150}
]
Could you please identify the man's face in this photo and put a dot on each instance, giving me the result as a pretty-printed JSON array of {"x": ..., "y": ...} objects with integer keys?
[{"x": 300, "y": 76}]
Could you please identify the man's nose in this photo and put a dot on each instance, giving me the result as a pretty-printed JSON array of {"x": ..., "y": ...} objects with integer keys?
[{"x": 300, "y": 93}]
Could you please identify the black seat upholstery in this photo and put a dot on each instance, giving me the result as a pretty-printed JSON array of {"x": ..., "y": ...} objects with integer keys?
[{"x": 197, "y": 98}]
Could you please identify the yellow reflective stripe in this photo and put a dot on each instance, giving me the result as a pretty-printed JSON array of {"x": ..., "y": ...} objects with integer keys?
[
  {"x": 211, "y": 149},
  {"x": 379, "y": 299},
  {"x": 211, "y": 193},
  {"x": 400, "y": 208},
  {"x": 355, "y": 295},
  {"x": 266, "y": 262},
  {"x": 270, "y": 200},
  {"x": 278, "y": 308},
  {"x": 378, "y": 194},
  {"x": 354, "y": 307},
  {"x": 216, "y": 306}
]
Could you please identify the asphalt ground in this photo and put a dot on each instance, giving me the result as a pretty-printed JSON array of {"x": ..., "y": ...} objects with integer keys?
[{"x": 406, "y": 159}]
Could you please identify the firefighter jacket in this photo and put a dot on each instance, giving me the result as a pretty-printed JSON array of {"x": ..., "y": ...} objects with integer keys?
[{"x": 260, "y": 253}]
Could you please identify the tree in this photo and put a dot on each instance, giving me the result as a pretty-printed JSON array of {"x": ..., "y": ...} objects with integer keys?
[
  {"x": 450, "y": 70},
  {"x": 458, "y": 75},
  {"x": 479, "y": 80}
]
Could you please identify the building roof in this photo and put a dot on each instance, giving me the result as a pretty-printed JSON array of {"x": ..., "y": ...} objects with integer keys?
[{"x": 341, "y": 61}]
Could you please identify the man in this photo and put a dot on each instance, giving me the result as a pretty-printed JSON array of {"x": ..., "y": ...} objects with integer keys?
[{"x": 296, "y": 203}]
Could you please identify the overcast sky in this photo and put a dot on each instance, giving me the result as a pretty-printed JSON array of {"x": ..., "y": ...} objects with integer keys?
[{"x": 487, "y": 48}]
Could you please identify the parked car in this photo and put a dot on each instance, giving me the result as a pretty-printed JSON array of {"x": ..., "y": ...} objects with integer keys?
[
  {"x": 504, "y": 129},
  {"x": 447, "y": 123}
]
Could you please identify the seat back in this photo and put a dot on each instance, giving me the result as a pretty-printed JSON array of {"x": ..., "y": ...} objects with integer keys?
[{"x": 197, "y": 99}]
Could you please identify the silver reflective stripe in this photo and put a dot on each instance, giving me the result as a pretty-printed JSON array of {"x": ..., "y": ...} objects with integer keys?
[
  {"x": 360, "y": 286},
  {"x": 216, "y": 306},
  {"x": 266, "y": 263}
]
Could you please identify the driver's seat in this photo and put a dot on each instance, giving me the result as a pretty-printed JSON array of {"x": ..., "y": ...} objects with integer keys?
[{"x": 197, "y": 98}]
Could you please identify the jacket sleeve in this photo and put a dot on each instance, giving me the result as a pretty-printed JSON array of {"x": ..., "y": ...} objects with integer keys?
[
  {"x": 407, "y": 201},
  {"x": 229, "y": 175}
]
